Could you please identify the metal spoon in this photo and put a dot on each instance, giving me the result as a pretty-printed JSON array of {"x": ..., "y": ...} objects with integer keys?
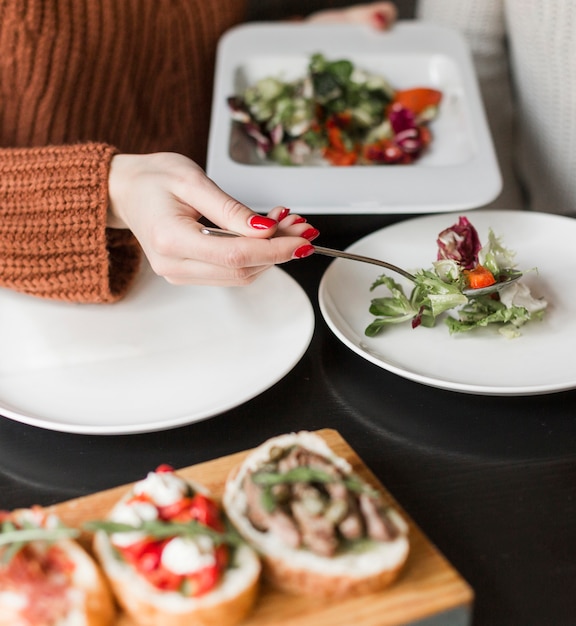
[{"x": 505, "y": 278}]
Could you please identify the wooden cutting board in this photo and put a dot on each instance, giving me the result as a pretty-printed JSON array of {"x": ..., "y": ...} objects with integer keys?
[{"x": 428, "y": 591}]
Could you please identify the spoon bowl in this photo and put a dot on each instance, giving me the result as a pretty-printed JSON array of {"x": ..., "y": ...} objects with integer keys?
[{"x": 505, "y": 278}]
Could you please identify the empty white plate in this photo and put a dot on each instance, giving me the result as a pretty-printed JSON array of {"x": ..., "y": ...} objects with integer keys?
[{"x": 163, "y": 357}]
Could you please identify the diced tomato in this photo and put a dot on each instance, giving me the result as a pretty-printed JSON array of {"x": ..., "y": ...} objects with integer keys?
[
  {"x": 146, "y": 557},
  {"x": 479, "y": 277},
  {"x": 206, "y": 579},
  {"x": 164, "y": 468},
  {"x": 207, "y": 512},
  {"x": 176, "y": 511},
  {"x": 222, "y": 555},
  {"x": 198, "y": 507},
  {"x": 164, "y": 579},
  {"x": 148, "y": 550},
  {"x": 202, "y": 581},
  {"x": 383, "y": 151},
  {"x": 418, "y": 98}
]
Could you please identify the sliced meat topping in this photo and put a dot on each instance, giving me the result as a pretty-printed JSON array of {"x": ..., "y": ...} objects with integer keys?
[{"x": 308, "y": 501}]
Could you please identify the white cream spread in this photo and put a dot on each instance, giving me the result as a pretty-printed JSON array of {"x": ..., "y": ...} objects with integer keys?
[
  {"x": 133, "y": 514},
  {"x": 163, "y": 488},
  {"x": 183, "y": 555}
]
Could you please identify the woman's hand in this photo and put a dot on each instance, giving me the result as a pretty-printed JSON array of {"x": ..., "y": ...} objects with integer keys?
[
  {"x": 160, "y": 198},
  {"x": 380, "y": 15}
]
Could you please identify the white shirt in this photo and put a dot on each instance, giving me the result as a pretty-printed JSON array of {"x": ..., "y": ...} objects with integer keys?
[{"x": 525, "y": 56}]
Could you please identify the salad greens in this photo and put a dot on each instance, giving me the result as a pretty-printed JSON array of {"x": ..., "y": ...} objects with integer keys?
[
  {"x": 338, "y": 114},
  {"x": 461, "y": 259}
]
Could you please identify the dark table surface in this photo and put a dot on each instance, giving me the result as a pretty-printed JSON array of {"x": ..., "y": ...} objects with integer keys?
[{"x": 490, "y": 480}]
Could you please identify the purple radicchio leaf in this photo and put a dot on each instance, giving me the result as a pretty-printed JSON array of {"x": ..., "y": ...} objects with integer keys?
[
  {"x": 460, "y": 243},
  {"x": 410, "y": 141},
  {"x": 401, "y": 118}
]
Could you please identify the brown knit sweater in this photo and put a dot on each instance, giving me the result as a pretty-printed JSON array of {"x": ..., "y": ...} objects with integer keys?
[{"x": 79, "y": 81}]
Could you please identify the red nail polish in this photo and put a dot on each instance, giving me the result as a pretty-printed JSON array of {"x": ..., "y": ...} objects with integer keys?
[
  {"x": 299, "y": 220},
  {"x": 259, "y": 222},
  {"x": 303, "y": 251},
  {"x": 283, "y": 214},
  {"x": 310, "y": 233},
  {"x": 381, "y": 19}
]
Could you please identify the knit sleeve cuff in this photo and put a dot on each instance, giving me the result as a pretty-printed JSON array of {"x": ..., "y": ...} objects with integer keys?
[{"x": 53, "y": 237}]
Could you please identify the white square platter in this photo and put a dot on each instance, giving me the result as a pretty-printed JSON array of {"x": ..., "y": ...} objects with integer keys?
[{"x": 459, "y": 171}]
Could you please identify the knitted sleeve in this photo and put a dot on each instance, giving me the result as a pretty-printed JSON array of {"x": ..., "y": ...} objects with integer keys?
[{"x": 53, "y": 237}]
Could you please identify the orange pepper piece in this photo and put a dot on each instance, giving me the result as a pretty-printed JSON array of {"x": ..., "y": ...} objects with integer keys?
[
  {"x": 479, "y": 277},
  {"x": 418, "y": 98}
]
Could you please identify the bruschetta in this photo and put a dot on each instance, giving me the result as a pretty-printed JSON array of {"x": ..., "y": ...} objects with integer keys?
[
  {"x": 170, "y": 558},
  {"x": 319, "y": 528},
  {"x": 46, "y": 577}
]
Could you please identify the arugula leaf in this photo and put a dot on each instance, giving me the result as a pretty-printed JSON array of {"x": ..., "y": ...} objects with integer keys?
[
  {"x": 393, "y": 309},
  {"x": 159, "y": 529},
  {"x": 267, "y": 479},
  {"x": 305, "y": 474},
  {"x": 430, "y": 297},
  {"x": 16, "y": 538}
]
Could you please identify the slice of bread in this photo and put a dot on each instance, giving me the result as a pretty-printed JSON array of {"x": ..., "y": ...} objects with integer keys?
[
  {"x": 227, "y": 603},
  {"x": 305, "y": 543},
  {"x": 51, "y": 583}
]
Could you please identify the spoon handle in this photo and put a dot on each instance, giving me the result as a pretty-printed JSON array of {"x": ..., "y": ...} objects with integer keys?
[
  {"x": 506, "y": 276},
  {"x": 363, "y": 259},
  {"x": 218, "y": 232}
]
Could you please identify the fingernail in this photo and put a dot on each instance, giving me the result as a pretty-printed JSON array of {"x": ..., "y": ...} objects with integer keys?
[
  {"x": 381, "y": 19},
  {"x": 259, "y": 222},
  {"x": 310, "y": 234},
  {"x": 303, "y": 251},
  {"x": 299, "y": 220},
  {"x": 283, "y": 214}
]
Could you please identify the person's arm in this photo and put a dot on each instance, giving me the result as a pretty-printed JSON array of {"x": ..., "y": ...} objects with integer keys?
[{"x": 53, "y": 237}]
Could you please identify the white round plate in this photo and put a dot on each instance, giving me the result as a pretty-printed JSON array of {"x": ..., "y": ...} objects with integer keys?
[
  {"x": 540, "y": 361},
  {"x": 163, "y": 357}
]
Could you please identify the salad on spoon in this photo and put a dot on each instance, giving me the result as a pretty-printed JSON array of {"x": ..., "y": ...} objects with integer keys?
[{"x": 457, "y": 284}]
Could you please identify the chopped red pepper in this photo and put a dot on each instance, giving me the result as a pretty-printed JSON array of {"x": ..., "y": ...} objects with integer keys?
[{"x": 339, "y": 157}]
